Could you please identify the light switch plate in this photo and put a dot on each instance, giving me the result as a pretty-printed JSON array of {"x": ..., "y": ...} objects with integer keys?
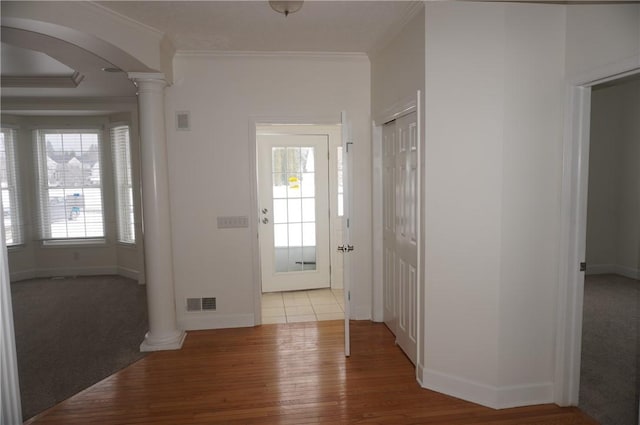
[{"x": 231, "y": 222}]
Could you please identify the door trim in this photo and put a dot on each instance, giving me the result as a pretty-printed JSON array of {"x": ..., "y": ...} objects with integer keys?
[
  {"x": 573, "y": 216},
  {"x": 254, "y": 122}
]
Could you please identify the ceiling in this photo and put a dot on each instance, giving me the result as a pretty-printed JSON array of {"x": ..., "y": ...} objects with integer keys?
[
  {"x": 320, "y": 26},
  {"x": 62, "y": 70}
]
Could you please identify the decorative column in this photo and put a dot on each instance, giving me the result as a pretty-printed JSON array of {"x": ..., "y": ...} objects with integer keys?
[{"x": 156, "y": 216}]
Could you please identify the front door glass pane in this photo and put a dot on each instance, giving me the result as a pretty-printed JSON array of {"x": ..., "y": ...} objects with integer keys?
[{"x": 293, "y": 177}]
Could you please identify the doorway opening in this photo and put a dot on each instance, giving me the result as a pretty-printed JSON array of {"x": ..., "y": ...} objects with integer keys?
[
  {"x": 300, "y": 207},
  {"x": 611, "y": 309},
  {"x": 573, "y": 235}
]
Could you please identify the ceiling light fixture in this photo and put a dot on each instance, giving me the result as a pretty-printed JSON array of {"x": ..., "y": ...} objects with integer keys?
[{"x": 286, "y": 7}]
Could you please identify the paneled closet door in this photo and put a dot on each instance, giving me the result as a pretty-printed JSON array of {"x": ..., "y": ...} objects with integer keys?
[{"x": 400, "y": 246}]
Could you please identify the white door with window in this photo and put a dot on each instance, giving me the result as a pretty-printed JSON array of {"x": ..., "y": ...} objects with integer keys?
[
  {"x": 293, "y": 195},
  {"x": 400, "y": 234}
]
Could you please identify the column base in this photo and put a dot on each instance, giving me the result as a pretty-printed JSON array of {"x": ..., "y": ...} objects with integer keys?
[{"x": 172, "y": 342}]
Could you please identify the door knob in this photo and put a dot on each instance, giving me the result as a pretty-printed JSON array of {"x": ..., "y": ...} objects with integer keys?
[{"x": 265, "y": 220}]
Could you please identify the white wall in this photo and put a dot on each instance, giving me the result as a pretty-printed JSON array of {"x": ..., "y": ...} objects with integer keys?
[
  {"x": 599, "y": 35},
  {"x": 463, "y": 162},
  {"x": 495, "y": 92},
  {"x": 397, "y": 69},
  {"x": 494, "y": 87},
  {"x": 613, "y": 227},
  {"x": 531, "y": 176},
  {"x": 209, "y": 167}
]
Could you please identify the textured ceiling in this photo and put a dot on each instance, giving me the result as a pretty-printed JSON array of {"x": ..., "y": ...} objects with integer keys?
[{"x": 320, "y": 26}]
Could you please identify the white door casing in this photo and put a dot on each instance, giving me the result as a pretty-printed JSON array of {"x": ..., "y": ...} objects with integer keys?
[
  {"x": 294, "y": 212},
  {"x": 389, "y": 225}
]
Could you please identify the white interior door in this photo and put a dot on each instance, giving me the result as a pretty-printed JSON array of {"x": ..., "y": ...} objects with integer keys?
[
  {"x": 400, "y": 244},
  {"x": 294, "y": 212},
  {"x": 346, "y": 247}
]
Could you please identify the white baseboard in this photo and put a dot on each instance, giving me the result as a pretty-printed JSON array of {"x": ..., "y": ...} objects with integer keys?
[
  {"x": 74, "y": 271},
  {"x": 77, "y": 271},
  {"x": 629, "y": 272},
  {"x": 174, "y": 343},
  {"x": 130, "y": 273},
  {"x": 487, "y": 395},
  {"x": 22, "y": 275},
  {"x": 211, "y": 320},
  {"x": 361, "y": 312}
]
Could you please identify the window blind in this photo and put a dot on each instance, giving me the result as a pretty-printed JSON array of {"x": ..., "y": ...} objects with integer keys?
[
  {"x": 121, "y": 148},
  {"x": 69, "y": 184},
  {"x": 11, "y": 193}
]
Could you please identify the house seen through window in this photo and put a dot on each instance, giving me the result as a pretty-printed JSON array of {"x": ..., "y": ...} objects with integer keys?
[{"x": 69, "y": 184}]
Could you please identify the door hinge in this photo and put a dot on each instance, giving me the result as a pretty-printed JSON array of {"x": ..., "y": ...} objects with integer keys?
[
  {"x": 349, "y": 143},
  {"x": 583, "y": 266},
  {"x": 348, "y": 223}
]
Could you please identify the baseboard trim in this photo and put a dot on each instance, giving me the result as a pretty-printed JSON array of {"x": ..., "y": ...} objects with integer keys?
[
  {"x": 629, "y": 272},
  {"x": 420, "y": 375},
  {"x": 77, "y": 271},
  {"x": 22, "y": 275},
  {"x": 173, "y": 343},
  {"x": 487, "y": 395},
  {"x": 130, "y": 273},
  {"x": 201, "y": 320}
]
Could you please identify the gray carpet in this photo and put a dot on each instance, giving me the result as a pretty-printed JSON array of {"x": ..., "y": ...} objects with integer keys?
[
  {"x": 609, "y": 382},
  {"x": 72, "y": 333}
]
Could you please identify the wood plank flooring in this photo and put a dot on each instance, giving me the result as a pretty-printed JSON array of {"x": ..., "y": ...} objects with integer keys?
[{"x": 282, "y": 374}]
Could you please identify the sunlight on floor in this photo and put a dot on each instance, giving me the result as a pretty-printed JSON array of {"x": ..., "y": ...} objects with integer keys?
[{"x": 303, "y": 306}]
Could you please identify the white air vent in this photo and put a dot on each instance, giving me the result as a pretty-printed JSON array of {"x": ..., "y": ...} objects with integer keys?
[
  {"x": 201, "y": 304},
  {"x": 183, "y": 121}
]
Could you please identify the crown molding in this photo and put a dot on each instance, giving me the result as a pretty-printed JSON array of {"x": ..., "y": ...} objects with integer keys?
[
  {"x": 42, "y": 81},
  {"x": 16, "y": 105},
  {"x": 270, "y": 54}
]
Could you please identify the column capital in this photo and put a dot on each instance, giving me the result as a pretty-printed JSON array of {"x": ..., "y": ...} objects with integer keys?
[{"x": 140, "y": 78}]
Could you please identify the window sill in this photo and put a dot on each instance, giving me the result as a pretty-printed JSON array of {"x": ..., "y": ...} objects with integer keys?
[
  {"x": 67, "y": 243},
  {"x": 16, "y": 247},
  {"x": 131, "y": 245}
]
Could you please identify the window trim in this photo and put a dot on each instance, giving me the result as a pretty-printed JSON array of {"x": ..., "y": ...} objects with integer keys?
[
  {"x": 116, "y": 187},
  {"x": 14, "y": 189},
  {"x": 41, "y": 172}
]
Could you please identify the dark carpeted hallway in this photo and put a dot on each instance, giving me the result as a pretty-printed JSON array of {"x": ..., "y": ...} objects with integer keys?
[
  {"x": 73, "y": 332},
  {"x": 610, "y": 349}
]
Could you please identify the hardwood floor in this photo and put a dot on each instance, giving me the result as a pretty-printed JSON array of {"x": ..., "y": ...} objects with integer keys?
[{"x": 282, "y": 374}]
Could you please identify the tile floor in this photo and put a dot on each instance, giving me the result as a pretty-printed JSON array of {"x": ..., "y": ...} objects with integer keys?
[{"x": 303, "y": 306}]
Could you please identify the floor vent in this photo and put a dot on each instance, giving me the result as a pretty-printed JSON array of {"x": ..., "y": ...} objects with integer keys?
[{"x": 201, "y": 304}]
